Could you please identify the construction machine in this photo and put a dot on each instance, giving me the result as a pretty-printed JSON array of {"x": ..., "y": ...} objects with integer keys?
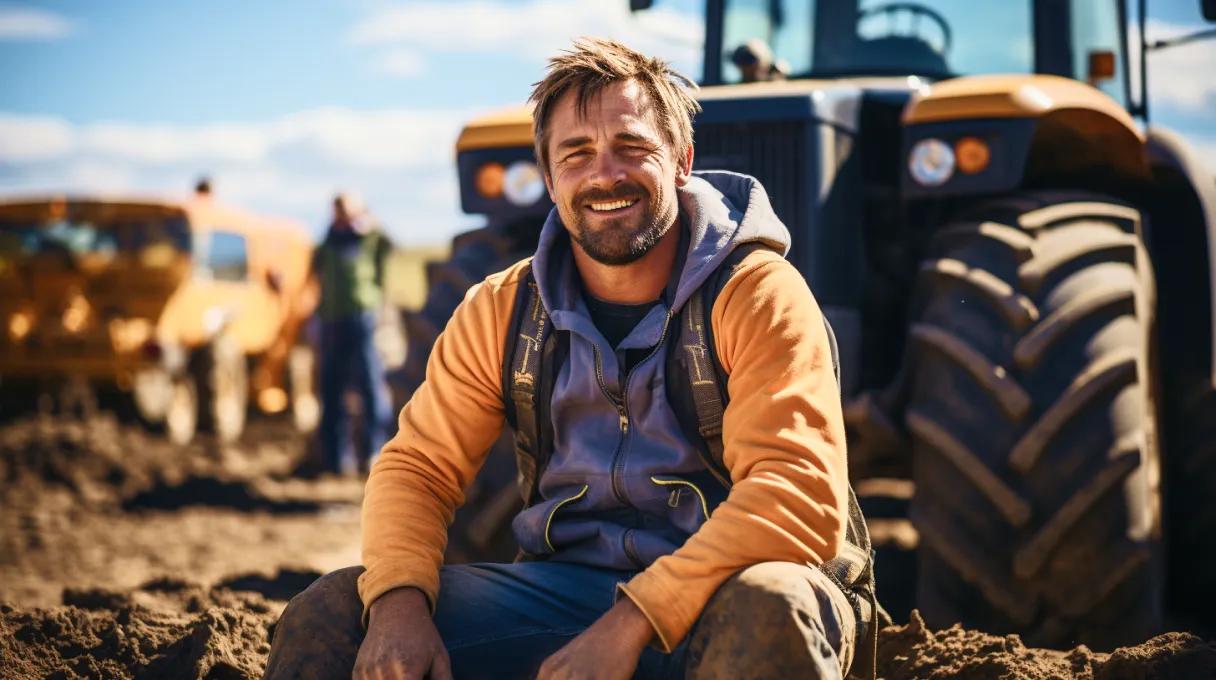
[
  {"x": 182, "y": 313},
  {"x": 1017, "y": 265}
]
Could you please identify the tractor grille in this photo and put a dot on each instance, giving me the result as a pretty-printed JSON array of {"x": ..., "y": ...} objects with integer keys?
[{"x": 772, "y": 152}]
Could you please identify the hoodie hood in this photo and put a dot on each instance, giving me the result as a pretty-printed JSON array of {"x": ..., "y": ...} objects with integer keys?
[{"x": 721, "y": 210}]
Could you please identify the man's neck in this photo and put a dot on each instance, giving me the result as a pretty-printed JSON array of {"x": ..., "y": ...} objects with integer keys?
[{"x": 639, "y": 281}]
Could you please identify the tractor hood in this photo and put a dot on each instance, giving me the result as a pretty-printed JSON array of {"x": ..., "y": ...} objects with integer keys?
[{"x": 831, "y": 101}]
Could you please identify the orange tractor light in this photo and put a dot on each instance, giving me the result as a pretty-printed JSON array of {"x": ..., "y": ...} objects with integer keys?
[
  {"x": 490, "y": 179},
  {"x": 19, "y": 326},
  {"x": 972, "y": 155}
]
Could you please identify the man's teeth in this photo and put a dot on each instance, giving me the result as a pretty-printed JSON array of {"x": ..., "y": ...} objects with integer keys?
[{"x": 614, "y": 205}]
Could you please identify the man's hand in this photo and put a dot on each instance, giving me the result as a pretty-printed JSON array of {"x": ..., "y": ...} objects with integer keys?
[
  {"x": 402, "y": 642},
  {"x": 609, "y": 649}
]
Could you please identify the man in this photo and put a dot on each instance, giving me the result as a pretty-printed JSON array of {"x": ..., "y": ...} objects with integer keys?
[
  {"x": 349, "y": 266},
  {"x": 629, "y": 536},
  {"x": 755, "y": 62}
]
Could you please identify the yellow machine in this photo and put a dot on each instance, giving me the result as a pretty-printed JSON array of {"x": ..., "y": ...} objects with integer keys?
[
  {"x": 188, "y": 310},
  {"x": 1019, "y": 266}
]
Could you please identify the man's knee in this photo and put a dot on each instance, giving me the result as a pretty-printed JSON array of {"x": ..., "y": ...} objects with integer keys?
[
  {"x": 319, "y": 633},
  {"x": 334, "y": 595},
  {"x": 774, "y": 619}
]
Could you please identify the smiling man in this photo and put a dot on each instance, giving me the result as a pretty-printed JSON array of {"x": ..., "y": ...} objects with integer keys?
[{"x": 654, "y": 542}]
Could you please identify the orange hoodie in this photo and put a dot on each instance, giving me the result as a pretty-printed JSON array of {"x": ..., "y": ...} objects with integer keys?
[{"x": 783, "y": 439}]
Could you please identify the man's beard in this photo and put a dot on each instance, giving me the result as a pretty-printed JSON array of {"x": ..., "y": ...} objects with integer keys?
[{"x": 621, "y": 240}]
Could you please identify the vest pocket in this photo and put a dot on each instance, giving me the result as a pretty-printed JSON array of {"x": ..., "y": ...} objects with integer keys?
[
  {"x": 678, "y": 488},
  {"x": 553, "y": 512}
]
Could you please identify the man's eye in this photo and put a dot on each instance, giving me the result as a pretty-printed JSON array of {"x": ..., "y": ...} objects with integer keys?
[{"x": 577, "y": 156}]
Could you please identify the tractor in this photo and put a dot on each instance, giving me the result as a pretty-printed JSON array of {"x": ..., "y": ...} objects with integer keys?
[{"x": 1017, "y": 265}]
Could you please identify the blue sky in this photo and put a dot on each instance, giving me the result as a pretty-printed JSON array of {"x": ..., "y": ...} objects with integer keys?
[{"x": 285, "y": 103}]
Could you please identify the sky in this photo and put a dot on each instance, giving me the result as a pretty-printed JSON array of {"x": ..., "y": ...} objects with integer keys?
[{"x": 283, "y": 104}]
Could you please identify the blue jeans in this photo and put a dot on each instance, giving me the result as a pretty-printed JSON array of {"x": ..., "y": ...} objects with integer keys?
[
  {"x": 503, "y": 620},
  {"x": 349, "y": 359}
]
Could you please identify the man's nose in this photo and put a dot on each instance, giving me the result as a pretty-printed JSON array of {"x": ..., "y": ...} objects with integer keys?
[{"x": 606, "y": 170}]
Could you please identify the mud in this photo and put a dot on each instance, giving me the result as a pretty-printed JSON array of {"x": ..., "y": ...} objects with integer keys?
[
  {"x": 124, "y": 557},
  {"x": 913, "y": 652},
  {"x": 114, "y": 635}
]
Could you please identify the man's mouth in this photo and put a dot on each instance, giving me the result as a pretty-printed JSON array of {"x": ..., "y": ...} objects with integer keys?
[{"x": 612, "y": 206}]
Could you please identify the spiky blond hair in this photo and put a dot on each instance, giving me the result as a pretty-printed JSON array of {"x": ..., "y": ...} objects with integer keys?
[{"x": 595, "y": 63}]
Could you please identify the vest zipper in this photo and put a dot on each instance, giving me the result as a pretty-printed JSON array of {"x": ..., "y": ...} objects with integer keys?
[
  {"x": 622, "y": 405},
  {"x": 623, "y": 421},
  {"x": 618, "y": 463}
]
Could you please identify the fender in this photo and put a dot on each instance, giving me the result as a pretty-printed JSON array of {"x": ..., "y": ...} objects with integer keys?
[
  {"x": 1186, "y": 189},
  {"x": 1042, "y": 131}
]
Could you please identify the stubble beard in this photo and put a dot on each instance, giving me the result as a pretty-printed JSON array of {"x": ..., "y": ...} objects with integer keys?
[{"x": 623, "y": 240}]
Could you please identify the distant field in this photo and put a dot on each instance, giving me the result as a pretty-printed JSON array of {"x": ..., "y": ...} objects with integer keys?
[{"x": 405, "y": 279}]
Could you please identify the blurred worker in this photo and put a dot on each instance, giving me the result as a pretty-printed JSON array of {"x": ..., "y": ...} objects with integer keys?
[
  {"x": 349, "y": 266},
  {"x": 202, "y": 188},
  {"x": 755, "y": 62}
]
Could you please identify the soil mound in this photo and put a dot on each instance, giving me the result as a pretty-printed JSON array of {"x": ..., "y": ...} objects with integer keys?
[
  {"x": 131, "y": 642},
  {"x": 913, "y": 652},
  {"x": 164, "y": 628},
  {"x": 100, "y": 464}
]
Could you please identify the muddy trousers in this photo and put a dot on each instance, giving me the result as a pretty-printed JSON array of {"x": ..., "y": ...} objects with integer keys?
[
  {"x": 772, "y": 620},
  {"x": 775, "y": 619}
]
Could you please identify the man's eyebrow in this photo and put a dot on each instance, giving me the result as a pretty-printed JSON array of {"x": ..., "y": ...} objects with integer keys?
[
  {"x": 633, "y": 137},
  {"x": 573, "y": 142}
]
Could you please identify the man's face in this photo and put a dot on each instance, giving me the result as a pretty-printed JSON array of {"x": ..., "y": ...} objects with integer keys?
[{"x": 612, "y": 173}]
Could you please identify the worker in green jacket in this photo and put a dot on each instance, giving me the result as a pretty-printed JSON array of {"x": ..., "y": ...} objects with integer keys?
[{"x": 349, "y": 266}]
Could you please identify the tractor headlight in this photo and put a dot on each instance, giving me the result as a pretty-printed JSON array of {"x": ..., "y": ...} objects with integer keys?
[
  {"x": 523, "y": 184},
  {"x": 931, "y": 162}
]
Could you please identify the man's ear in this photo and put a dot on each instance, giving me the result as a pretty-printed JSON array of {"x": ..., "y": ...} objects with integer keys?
[{"x": 684, "y": 167}]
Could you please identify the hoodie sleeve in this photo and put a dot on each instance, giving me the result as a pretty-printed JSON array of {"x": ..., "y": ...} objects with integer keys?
[
  {"x": 784, "y": 444},
  {"x": 443, "y": 435}
]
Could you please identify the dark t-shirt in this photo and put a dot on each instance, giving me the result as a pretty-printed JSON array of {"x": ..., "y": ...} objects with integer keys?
[{"x": 615, "y": 321}]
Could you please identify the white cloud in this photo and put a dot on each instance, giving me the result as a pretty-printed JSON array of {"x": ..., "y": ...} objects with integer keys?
[
  {"x": 166, "y": 144},
  {"x": 33, "y": 138},
  {"x": 29, "y": 23},
  {"x": 342, "y": 137},
  {"x": 534, "y": 30},
  {"x": 1180, "y": 78},
  {"x": 375, "y": 139},
  {"x": 402, "y": 63},
  {"x": 401, "y": 161}
]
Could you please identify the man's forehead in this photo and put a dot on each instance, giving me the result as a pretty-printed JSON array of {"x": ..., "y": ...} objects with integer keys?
[{"x": 626, "y": 102}]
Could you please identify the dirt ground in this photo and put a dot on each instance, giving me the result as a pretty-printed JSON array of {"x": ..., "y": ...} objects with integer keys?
[{"x": 124, "y": 557}]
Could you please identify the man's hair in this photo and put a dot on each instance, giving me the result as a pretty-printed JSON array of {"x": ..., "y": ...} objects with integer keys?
[{"x": 596, "y": 63}]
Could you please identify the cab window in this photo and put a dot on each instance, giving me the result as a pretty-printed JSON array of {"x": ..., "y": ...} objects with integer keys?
[
  {"x": 1096, "y": 36},
  {"x": 226, "y": 257}
]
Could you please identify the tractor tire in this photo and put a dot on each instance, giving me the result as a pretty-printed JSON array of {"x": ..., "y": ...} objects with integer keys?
[
  {"x": 481, "y": 529},
  {"x": 1033, "y": 420},
  {"x": 221, "y": 374},
  {"x": 302, "y": 386},
  {"x": 474, "y": 256},
  {"x": 181, "y": 415},
  {"x": 1190, "y": 481}
]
